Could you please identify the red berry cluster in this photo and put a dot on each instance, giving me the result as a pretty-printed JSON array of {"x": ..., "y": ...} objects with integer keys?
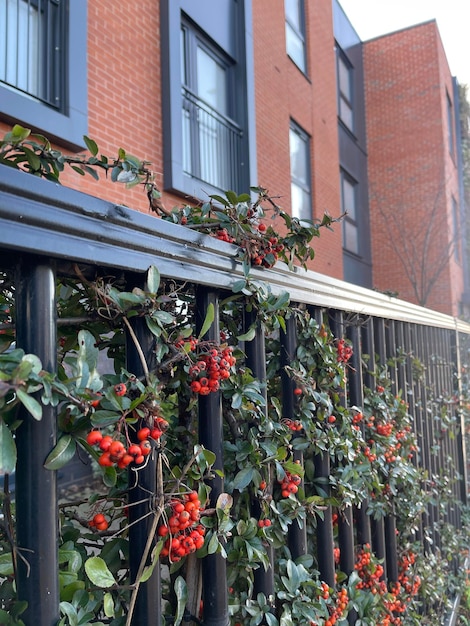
[
  {"x": 223, "y": 235},
  {"x": 395, "y": 601},
  {"x": 184, "y": 533},
  {"x": 384, "y": 429},
  {"x": 210, "y": 368},
  {"x": 114, "y": 452},
  {"x": 339, "y": 610},
  {"x": 410, "y": 583},
  {"x": 289, "y": 484},
  {"x": 370, "y": 456},
  {"x": 99, "y": 522},
  {"x": 294, "y": 425},
  {"x": 264, "y": 523},
  {"x": 344, "y": 351},
  {"x": 370, "y": 572},
  {"x": 336, "y": 612},
  {"x": 263, "y": 251},
  {"x": 357, "y": 420}
]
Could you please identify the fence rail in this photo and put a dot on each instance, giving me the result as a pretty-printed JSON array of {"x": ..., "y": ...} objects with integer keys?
[{"x": 44, "y": 229}]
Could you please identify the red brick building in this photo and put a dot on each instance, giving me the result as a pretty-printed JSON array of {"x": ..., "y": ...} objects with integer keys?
[
  {"x": 413, "y": 168},
  {"x": 264, "y": 93}
]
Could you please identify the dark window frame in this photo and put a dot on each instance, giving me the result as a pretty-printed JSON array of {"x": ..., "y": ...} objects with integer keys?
[
  {"x": 233, "y": 37},
  {"x": 211, "y": 141},
  {"x": 347, "y": 219},
  {"x": 450, "y": 124},
  {"x": 345, "y": 98},
  {"x": 456, "y": 229},
  {"x": 305, "y": 186},
  {"x": 299, "y": 33},
  {"x": 65, "y": 125}
]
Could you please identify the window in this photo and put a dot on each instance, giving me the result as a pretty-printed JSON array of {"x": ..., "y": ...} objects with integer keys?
[
  {"x": 450, "y": 124},
  {"x": 349, "y": 207},
  {"x": 301, "y": 201},
  {"x": 295, "y": 32},
  {"x": 211, "y": 139},
  {"x": 455, "y": 230},
  {"x": 209, "y": 121},
  {"x": 32, "y": 55},
  {"x": 39, "y": 54},
  {"x": 345, "y": 92}
]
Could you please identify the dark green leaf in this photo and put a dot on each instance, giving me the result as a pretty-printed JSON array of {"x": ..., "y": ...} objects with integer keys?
[
  {"x": 7, "y": 450},
  {"x": 181, "y": 592},
  {"x": 29, "y": 403},
  {"x": 208, "y": 320},
  {"x": 61, "y": 454},
  {"x": 243, "y": 478},
  {"x": 91, "y": 145}
]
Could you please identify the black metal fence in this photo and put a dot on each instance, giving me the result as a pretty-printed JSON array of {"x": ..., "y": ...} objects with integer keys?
[{"x": 45, "y": 228}]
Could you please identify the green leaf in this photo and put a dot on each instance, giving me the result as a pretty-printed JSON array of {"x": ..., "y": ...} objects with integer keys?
[
  {"x": 88, "y": 353},
  {"x": 213, "y": 544},
  {"x": 18, "y": 133},
  {"x": 220, "y": 199},
  {"x": 7, "y": 450},
  {"x": 243, "y": 478},
  {"x": 32, "y": 158},
  {"x": 91, "y": 145},
  {"x": 6, "y": 564},
  {"x": 148, "y": 569},
  {"x": 108, "y": 604},
  {"x": 210, "y": 314},
  {"x": 98, "y": 572},
  {"x": 244, "y": 197},
  {"x": 66, "y": 608},
  {"x": 181, "y": 592},
  {"x": 249, "y": 335},
  {"x": 153, "y": 327},
  {"x": 153, "y": 279},
  {"x": 238, "y": 285},
  {"x": 29, "y": 403},
  {"x": 78, "y": 169},
  {"x": 61, "y": 454},
  {"x": 231, "y": 197}
]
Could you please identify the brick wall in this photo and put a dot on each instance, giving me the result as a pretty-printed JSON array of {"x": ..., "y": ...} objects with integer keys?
[
  {"x": 283, "y": 93},
  {"x": 124, "y": 95},
  {"x": 412, "y": 176}
]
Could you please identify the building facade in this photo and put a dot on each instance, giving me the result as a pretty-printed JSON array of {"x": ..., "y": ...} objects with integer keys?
[
  {"x": 414, "y": 168},
  {"x": 272, "y": 93}
]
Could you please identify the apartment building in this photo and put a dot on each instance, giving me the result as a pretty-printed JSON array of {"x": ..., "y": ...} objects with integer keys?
[{"x": 235, "y": 93}]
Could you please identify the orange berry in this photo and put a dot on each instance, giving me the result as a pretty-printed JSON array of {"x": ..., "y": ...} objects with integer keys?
[
  {"x": 94, "y": 437},
  {"x": 143, "y": 433},
  {"x": 120, "y": 389}
]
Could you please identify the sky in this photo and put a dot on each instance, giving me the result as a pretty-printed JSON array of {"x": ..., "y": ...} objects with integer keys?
[{"x": 371, "y": 18}]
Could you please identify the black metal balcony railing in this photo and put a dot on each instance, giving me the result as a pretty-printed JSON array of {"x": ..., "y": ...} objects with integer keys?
[{"x": 211, "y": 144}]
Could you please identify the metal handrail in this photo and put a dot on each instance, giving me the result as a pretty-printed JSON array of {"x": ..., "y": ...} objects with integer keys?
[{"x": 84, "y": 228}]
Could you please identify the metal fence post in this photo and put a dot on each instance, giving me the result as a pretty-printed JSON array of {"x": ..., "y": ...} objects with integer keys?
[
  {"x": 36, "y": 487},
  {"x": 324, "y": 530},
  {"x": 356, "y": 398},
  {"x": 297, "y": 536},
  {"x": 256, "y": 360},
  {"x": 142, "y": 488},
  {"x": 214, "y": 571}
]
